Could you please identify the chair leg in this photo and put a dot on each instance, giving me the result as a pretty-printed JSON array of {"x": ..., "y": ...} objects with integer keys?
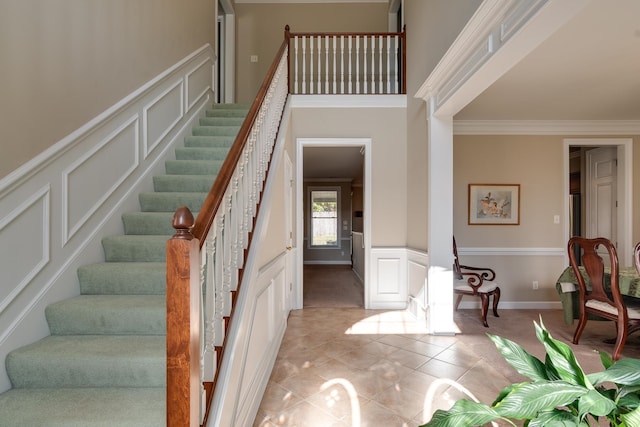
[
  {"x": 581, "y": 324},
  {"x": 458, "y": 301},
  {"x": 496, "y": 299},
  {"x": 621, "y": 338},
  {"x": 485, "y": 307}
]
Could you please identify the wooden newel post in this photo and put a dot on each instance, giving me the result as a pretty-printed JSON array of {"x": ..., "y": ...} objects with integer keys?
[{"x": 183, "y": 324}]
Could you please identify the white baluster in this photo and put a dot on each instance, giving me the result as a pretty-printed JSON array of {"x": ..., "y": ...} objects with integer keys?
[
  {"x": 311, "y": 78},
  {"x": 295, "y": 56},
  {"x": 364, "y": 66},
  {"x": 396, "y": 63},
  {"x": 326, "y": 65},
  {"x": 334, "y": 66},
  {"x": 350, "y": 91},
  {"x": 341, "y": 64},
  {"x": 388, "y": 64},
  {"x": 319, "y": 67},
  {"x": 357, "y": 64},
  {"x": 380, "y": 49},
  {"x": 373, "y": 64},
  {"x": 304, "y": 65}
]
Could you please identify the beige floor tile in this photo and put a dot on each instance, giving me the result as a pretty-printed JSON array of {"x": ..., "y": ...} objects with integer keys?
[{"x": 440, "y": 369}]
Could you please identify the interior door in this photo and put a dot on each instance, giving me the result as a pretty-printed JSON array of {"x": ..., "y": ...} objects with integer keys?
[{"x": 602, "y": 193}]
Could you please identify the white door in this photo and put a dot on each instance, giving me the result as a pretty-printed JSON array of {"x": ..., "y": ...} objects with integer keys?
[
  {"x": 602, "y": 193},
  {"x": 288, "y": 204}
]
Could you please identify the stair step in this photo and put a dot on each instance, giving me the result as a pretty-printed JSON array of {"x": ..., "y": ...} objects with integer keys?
[
  {"x": 89, "y": 361},
  {"x": 237, "y": 112},
  {"x": 190, "y": 183},
  {"x": 201, "y": 153},
  {"x": 208, "y": 141},
  {"x": 148, "y": 223},
  {"x": 193, "y": 167},
  {"x": 221, "y": 121},
  {"x": 170, "y": 201},
  {"x": 131, "y": 248},
  {"x": 86, "y": 407},
  {"x": 126, "y": 278},
  {"x": 108, "y": 315},
  {"x": 216, "y": 130}
]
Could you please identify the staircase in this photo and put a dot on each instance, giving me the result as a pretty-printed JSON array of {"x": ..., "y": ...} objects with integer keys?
[{"x": 104, "y": 362}]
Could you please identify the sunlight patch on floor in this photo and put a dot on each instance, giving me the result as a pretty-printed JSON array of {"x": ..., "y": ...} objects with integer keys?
[{"x": 389, "y": 322}]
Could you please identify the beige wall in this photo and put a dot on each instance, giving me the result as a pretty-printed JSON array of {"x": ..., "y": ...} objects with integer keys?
[
  {"x": 260, "y": 31},
  {"x": 432, "y": 25},
  {"x": 64, "y": 62},
  {"x": 385, "y": 127}
]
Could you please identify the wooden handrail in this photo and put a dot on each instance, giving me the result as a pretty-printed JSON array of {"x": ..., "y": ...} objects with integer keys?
[{"x": 216, "y": 194}]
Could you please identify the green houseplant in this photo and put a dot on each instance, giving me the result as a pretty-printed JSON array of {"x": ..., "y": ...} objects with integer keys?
[{"x": 559, "y": 393}]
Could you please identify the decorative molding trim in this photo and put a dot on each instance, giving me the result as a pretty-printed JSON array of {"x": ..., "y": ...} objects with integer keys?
[
  {"x": 512, "y": 251},
  {"x": 546, "y": 127},
  {"x": 69, "y": 230},
  {"x": 208, "y": 77},
  {"x": 514, "y": 305},
  {"x": 348, "y": 101},
  {"x": 156, "y": 102},
  {"x": 44, "y": 197}
]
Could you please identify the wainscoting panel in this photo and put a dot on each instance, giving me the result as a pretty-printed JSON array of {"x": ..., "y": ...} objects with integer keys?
[
  {"x": 417, "y": 271},
  {"x": 161, "y": 116},
  {"x": 92, "y": 179},
  {"x": 197, "y": 80},
  {"x": 388, "y": 288},
  {"x": 26, "y": 231}
]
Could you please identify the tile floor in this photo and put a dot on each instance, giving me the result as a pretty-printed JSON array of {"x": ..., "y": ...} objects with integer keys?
[{"x": 346, "y": 366}]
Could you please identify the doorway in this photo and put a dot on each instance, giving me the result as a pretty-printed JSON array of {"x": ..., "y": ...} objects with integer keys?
[
  {"x": 598, "y": 202},
  {"x": 326, "y": 167}
]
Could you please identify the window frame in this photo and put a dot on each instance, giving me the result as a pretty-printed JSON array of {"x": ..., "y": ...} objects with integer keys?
[{"x": 310, "y": 191}]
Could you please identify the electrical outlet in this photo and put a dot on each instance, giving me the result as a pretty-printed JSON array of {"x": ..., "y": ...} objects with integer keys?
[{"x": 535, "y": 285}]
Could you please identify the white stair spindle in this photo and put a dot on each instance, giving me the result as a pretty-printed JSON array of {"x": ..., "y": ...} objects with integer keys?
[
  {"x": 334, "y": 66},
  {"x": 326, "y": 65},
  {"x": 373, "y": 64},
  {"x": 341, "y": 65},
  {"x": 380, "y": 47},
  {"x": 364, "y": 66},
  {"x": 388, "y": 64},
  {"x": 357, "y": 64},
  {"x": 319, "y": 67},
  {"x": 304, "y": 65},
  {"x": 311, "y": 78},
  {"x": 350, "y": 91},
  {"x": 395, "y": 65},
  {"x": 295, "y": 57}
]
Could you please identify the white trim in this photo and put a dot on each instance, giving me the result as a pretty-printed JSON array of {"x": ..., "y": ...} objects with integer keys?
[
  {"x": 348, "y": 101},
  {"x": 513, "y": 305},
  {"x": 546, "y": 127},
  {"x": 312, "y": 262},
  {"x": 512, "y": 251}
]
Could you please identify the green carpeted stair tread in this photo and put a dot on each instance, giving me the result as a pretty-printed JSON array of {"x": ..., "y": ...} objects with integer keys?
[
  {"x": 83, "y": 407},
  {"x": 201, "y": 153},
  {"x": 221, "y": 121},
  {"x": 170, "y": 201},
  {"x": 108, "y": 315},
  {"x": 208, "y": 141},
  {"x": 149, "y": 223},
  {"x": 89, "y": 361},
  {"x": 216, "y": 130},
  {"x": 133, "y": 248},
  {"x": 125, "y": 278},
  {"x": 193, "y": 167},
  {"x": 189, "y": 183}
]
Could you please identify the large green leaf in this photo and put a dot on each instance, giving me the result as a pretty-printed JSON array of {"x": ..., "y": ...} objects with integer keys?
[
  {"x": 555, "y": 418},
  {"x": 631, "y": 418},
  {"x": 463, "y": 413},
  {"x": 606, "y": 359},
  {"x": 527, "y": 400},
  {"x": 562, "y": 358},
  {"x": 624, "y": 371},
  {"x": 517, "y": 356},
  {"x": 596, "y": 404}
]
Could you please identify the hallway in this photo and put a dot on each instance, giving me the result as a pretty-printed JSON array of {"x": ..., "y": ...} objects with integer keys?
[{"x": 335, "y": 359}]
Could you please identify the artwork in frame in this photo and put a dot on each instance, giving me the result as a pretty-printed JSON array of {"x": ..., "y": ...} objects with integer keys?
[{"x": 494, "y": 204}]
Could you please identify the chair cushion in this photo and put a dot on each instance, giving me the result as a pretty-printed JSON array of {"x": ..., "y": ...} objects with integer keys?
[
  {"x": 633, "y": 311},
  {"x": 462, "y": 285}
]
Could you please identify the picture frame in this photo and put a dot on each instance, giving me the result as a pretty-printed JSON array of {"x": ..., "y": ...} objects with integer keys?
[{"x": 494, "y": 204}]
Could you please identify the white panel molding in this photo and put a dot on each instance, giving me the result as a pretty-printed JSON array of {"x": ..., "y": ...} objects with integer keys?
[
  {"x": 43, "y": 197},
  {"x": 512, "y": 305},
  {"x": 388, "y": 273},
  {"x": 162, "y": 100},
  {"x": 546, "y": 127},
  {"x": 512, "y": 251},
  {"x": 348, "y": 101},
  {"x": 417, "y": 273},
  {"x": 90, "y": 175},
  {"x": 205, "y": 66}
]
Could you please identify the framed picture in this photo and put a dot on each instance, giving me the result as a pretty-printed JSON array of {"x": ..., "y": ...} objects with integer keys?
[{"x": 494, "y": 204}]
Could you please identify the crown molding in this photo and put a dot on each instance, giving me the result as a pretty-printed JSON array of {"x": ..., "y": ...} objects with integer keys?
[{"x": 546, "y": 127}]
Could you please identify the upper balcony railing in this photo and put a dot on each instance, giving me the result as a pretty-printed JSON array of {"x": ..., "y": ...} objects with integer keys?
[{"x": 346, "y": 63}]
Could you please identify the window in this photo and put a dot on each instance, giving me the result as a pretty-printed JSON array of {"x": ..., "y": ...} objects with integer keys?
[{"x": 325, "y": 208}]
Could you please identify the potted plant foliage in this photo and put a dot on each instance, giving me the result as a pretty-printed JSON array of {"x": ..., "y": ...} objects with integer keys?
[{"x": 559, "y": 393}]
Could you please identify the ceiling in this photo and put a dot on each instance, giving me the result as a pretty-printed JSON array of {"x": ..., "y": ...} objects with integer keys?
[{"x": 587, "y": 70}]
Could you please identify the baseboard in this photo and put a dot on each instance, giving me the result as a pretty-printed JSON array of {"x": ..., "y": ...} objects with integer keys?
[{"x": 517, "y": 305}]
